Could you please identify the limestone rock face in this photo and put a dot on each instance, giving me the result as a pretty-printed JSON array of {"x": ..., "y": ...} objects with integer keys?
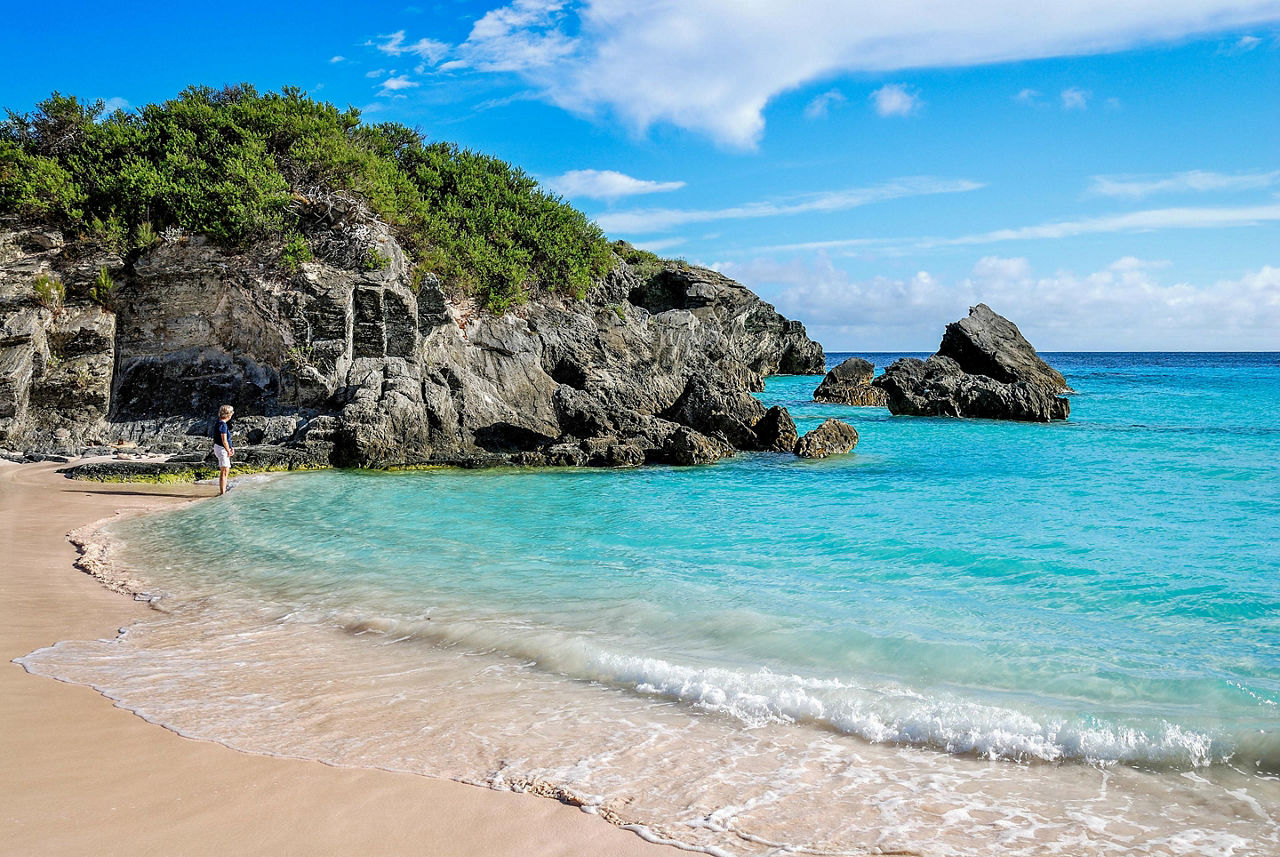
[
  {"x": 850, "y": 384},
  {"x": 833, "y": 437},
  {"x": 956, "y": 383},
  {"x": 358, "y": 368}
]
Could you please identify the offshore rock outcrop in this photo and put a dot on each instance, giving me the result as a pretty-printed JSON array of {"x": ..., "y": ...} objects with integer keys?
[
  {"x": 983, "y": 368},
  {"x": 833, "y": 437},
  {"x": 359, "y": 368},
  {"x": 850, "y": 384}
]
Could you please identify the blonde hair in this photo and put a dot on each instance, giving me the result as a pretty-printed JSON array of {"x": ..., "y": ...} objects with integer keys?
[{"x": 225, "y": 411}]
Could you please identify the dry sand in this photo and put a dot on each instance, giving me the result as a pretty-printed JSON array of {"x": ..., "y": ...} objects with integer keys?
[{"x": 81, "y": 777}]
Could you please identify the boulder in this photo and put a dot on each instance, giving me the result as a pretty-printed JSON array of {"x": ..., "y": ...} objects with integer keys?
[
  {"x": 984, "y": 368},
  {"x": 776, "y": 431},
  {"x": 850, "y": 384},
  {"x": 833, "y": 437}
]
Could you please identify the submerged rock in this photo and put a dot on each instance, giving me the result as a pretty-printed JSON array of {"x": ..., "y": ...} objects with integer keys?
[
  {"x": 850, "y": 384},
  {"x": 833, "y": 437},
  {"x": 984, "y": 368}
]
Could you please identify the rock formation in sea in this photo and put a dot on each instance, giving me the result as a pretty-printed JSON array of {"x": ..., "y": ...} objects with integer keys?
[
  {"x": 983, "y": 368},
  {"x": 833, "y": 437},
  {"x": 850, "y": 384},
  {"x": 357, "y": 367}
]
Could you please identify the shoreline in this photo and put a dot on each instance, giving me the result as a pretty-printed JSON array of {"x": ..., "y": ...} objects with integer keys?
[{"x": 87, "y": 777}]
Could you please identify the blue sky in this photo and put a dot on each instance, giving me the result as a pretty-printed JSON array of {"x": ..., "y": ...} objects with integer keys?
[{"x": 1107, "y": 175}]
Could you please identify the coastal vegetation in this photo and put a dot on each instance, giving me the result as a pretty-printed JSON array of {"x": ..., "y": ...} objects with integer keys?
[{"x": 241, "y": 167}]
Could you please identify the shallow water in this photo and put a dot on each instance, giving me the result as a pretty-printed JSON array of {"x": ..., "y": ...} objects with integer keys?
[{"x": 967, "y": 635}]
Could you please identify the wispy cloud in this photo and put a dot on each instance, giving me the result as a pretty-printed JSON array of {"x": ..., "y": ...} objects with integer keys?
[
  {"x": 428, "y": 49},
  {"x": 1242, "y": 46},
  {"x": 661, "y": 219},
  {"x": 1136, "y": 187},
  {"x": 337, "y": 59},
  {"x": 682, "y": 62},
  {"x": 820, "y": 106},
  {"x": 606, "y": 184},
  {"x": 1125, "y": 305},
  {"x": 395, "y": 84},
  {"x": 1074, "y": 98},
  {"x": 1028, "y": 96},
  {"x": 377, "y": 72},
  {"x": 114, "y": 104},
  {"x": 894, "y": 99},
  {"x": 1135, "y": 221},
  {"x": 1138, "y": 221}
]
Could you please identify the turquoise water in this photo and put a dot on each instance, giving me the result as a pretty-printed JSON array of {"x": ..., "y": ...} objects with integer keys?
[{"x": 1105, "y": 589}]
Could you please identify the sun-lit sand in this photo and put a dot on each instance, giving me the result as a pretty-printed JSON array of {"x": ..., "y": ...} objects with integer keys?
[{"x": 81, "y": 777}]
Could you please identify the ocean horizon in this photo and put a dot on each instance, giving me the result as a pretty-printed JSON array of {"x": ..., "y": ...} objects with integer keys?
[{"x": 966, "y": 636}]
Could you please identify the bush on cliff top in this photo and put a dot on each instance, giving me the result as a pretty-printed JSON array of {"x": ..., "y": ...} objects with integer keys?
[{"x": 233, "y": 164}]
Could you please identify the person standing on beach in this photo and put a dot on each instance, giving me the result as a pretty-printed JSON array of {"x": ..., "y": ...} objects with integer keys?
[{"x": 222, "y": 449}]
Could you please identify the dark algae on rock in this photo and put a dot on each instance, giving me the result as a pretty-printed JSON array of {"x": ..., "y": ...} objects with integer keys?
[
  {"x": 363, "y": 316},
  {"x": 983, "y": 368},
  {"x": 850, "y": 384}
]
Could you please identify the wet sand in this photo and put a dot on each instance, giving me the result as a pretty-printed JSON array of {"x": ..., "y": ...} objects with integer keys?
[{"x": 81, "y": 777}]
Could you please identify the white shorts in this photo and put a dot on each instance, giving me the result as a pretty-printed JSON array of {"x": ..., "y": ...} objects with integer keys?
[{"x": 224, "y": 460}]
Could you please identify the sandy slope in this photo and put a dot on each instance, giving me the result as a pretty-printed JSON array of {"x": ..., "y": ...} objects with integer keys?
[{"x": 80, "y": 777}]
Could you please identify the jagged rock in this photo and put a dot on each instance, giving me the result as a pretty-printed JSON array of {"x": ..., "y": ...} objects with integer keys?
[
  {"x": 833, "y": 437},
  {"x": 776, "y": 431},
  {"x": 850, "y": 384},
  {"x": 381, "y": 368},
  {"x": 987, "y": 343},
  {"x": 957, "y": 384}
]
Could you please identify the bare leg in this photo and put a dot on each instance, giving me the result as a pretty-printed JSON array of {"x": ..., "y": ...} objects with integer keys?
[{"x": 222, "y": 481}]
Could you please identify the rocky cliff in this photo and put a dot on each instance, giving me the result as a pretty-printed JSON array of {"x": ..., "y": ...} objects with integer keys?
[{"x": 348, "y": 366}]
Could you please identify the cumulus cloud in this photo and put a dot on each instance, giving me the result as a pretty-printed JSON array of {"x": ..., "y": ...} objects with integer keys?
[
  {"x": 660, "y": 219},
  {"x": 1124, "y": 306},
  {"x": 820, "y": 106},
  {"x": 1136, "y": 187},
  {"x": 1075, "y": 99},
  {"x": 606, "y": 184},
  {"x": 336, "y": 58},
  {"x": 894, "y": 99},
  {"x": 681, "y": 61}
]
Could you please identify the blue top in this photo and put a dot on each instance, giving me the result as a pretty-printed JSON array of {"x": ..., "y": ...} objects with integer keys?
[{"x": 218, "y": 433}]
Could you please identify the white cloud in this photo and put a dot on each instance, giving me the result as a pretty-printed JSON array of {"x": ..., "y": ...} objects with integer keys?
[
  {"x": 660, "y": 219},
  {"x": 894, "y": 99},
  {"x": 337, "y": 59},
  {"x": 113, "y": 104},
  {"x": 428, "y": 49},
  {"x": 377, "y": 72},
  {"x": 682, "y": 61},
  {"x": 1124, "y": 306},
  {"x": 820, "y": 106},
  {"x": 1028, "y": 96},
  {"x": 1135, "y": 221},
  {"x": 1075, "y": 99},
  {"x": 606, "y": 184},
  {"x": 395, "y": 84},
  {"x": 659, "y": 246},
  {"x": 1136, "y": 187},
  {"x": 1246, "y": 44}
]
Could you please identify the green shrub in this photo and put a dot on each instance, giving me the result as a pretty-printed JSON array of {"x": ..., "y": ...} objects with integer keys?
[
  {"x": 295, "y": 251},
  {"x": 375, "y": 261},
  {"x": 233, "y": 164},
  {"x": 49, "y": 292},
  {"x": 111, "y": 232},
  {"x": 103, "y": 288},
  {"x": 144, "y": 236}
]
